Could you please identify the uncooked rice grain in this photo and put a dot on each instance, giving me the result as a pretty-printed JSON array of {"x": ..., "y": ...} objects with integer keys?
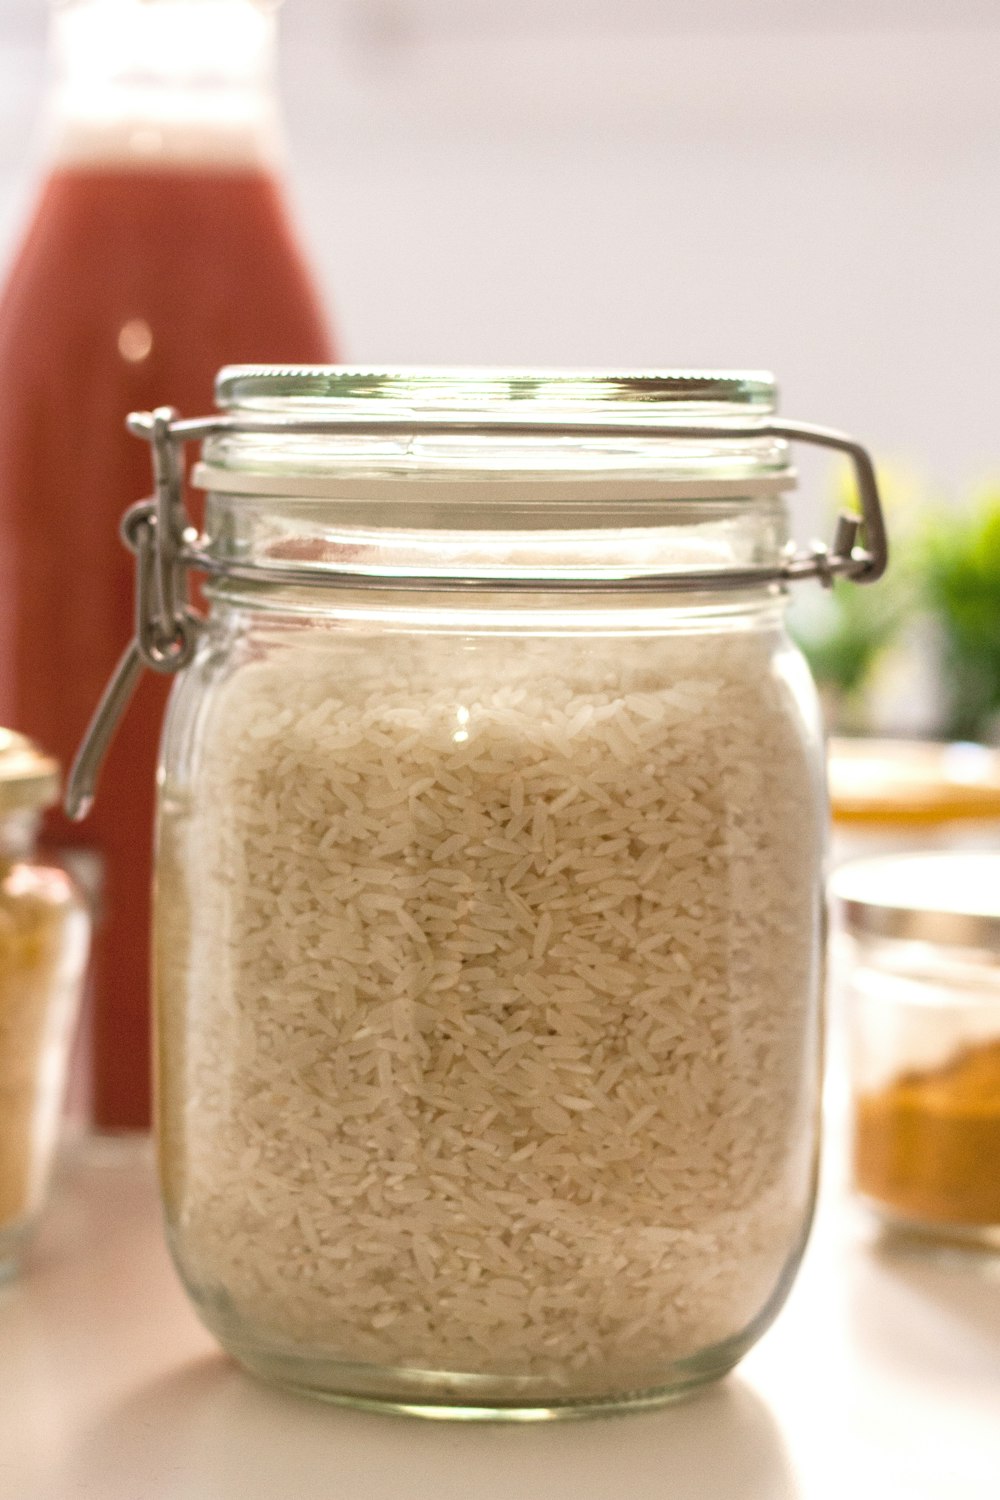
[{"x": 487, "y": 985}]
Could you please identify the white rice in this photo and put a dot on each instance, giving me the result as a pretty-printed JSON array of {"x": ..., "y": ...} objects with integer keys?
[{"x": 487, "y": 981}]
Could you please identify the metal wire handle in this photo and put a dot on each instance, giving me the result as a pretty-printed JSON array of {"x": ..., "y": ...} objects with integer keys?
[{"x": 166, "y": 546}]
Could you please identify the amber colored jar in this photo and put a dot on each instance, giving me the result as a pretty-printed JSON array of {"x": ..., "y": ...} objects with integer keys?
[
  {"x": 920, "y": 955},
  {"x": 44, "y": 937}
]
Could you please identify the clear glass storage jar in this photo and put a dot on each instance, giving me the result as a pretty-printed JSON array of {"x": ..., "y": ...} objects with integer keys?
[
  {"x": 919, "y": 959},
  {"x": 44, "y": 936},
  {"x": 489, "y": 903}
]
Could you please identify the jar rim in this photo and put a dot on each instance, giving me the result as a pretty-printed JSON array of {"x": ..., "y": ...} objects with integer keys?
[
  {"x": 576, "y": 394},
  {"x": 951, "y": 898}
]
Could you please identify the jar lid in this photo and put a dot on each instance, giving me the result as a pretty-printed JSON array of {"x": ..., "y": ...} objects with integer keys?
[
  {"x": 585, "y": 393},
  {"x": 912, "y": 782},
  {"x": 527, "y": 440},
  {"x": 952, "y": 899},
  {"x": 28, "y": 778}
]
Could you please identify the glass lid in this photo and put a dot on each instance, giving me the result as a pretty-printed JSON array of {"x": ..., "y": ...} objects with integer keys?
[
  {"x": 339, "y": 431},
  {"x": 588, "y": 394}
]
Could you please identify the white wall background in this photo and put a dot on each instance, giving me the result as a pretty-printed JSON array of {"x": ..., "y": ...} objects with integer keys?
[{"x": 813, "y": 187}]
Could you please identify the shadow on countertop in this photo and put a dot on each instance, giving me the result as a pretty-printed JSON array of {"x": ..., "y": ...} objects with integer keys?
[{"x": 208, "y": 1432}]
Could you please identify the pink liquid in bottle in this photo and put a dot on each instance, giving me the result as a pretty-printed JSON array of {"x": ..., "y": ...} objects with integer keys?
[{"x": 135, "y": 282}]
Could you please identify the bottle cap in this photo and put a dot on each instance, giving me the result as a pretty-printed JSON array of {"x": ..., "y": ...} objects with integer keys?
[{"x": 28, "y": 778}]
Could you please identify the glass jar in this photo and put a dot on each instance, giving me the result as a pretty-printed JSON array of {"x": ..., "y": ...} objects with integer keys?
[
  {"x": 919, "y": 952},
  {"x": 489, "y": 911},
  {"x": 44, "y": 933}
]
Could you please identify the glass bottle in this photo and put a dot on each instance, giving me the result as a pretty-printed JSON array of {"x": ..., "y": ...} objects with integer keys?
[
  {"x": 44, "y": 929},
  {"x": 489, "y": 907},
  {"x": 160, "y": 247}
]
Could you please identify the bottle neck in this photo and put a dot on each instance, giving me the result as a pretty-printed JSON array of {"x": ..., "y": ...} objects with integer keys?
[{"x": 164, "y": 83}]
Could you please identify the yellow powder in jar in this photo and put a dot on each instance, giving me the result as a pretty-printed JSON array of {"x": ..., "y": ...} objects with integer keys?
[
  {"x": 39, "y": 967},
  {"x": 928, "y": 1145}
]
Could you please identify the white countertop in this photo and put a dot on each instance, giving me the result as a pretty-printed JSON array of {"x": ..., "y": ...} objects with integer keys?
[{"x": 880, "y": 1378}]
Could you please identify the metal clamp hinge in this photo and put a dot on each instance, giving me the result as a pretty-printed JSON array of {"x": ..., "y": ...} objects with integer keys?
[{"x": 167, "y": 547}]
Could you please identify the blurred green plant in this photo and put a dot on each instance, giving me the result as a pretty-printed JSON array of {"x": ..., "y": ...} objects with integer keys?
[
  {"x": 845, "y": 633},
  {"x": 959, "y": 567},
  {"x": 940, "y": 600}
]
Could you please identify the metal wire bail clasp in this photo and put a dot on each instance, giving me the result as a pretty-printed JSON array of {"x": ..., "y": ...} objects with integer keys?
[
  {"x": 166, "y": 546},
  {"x": 166, "y": 628}
]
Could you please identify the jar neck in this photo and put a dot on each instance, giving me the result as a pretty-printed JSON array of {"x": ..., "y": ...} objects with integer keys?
[
  {"x": 18, "y": 831},
  {"x": 669, "y": 551},
  {"x": 163, "y": 83}
]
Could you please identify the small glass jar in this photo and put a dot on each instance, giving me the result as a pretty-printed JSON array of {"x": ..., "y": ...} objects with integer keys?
[
  {"x": 44, "y": 934},
  {"x": 489, "y": 909},
  {"x": 919, "y": 952}
]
